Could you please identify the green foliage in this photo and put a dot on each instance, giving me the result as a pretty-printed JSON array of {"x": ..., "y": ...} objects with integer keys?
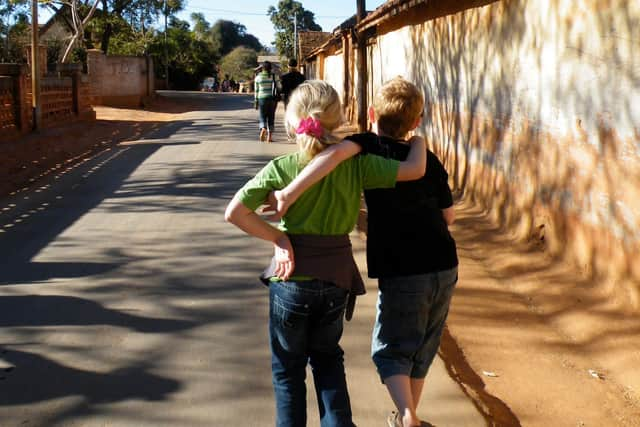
[
  {"x": 283, "y": 18},
  {"x": 127, "y": 40},
  {"x": 79, "y": 54},
  {"x": 15, "y": 41},
  {"x": 239, "y": 63},
  {"x": 190, "y": 59},
  {"x": 227, "y": 35},
  {"x": 136, "y": 27},
  {"x": 55, "y": 49},
  {"x": 14, "y": 21},
  {"x": 201, "y": 27},
  {"x": 138, "y": 15}
]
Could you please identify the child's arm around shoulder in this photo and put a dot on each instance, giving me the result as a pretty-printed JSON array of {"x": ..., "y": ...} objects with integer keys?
[
  {"x": 319, "y": 167},
  {"x": 415, "y": 166},
  {"x": 323, "y": 163}
]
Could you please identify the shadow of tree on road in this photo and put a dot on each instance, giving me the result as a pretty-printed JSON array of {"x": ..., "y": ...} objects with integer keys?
[{"x": 195, "y": 291}]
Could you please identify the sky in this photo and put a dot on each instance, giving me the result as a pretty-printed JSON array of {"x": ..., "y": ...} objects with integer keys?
[{"x": 253, "y": 13}]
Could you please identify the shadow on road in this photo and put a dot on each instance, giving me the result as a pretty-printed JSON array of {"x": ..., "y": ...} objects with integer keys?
[
  {"x": 41, "y": 379},
  {"x": 143, "y": 282},
  {"x": 183, "y": 102},
  {"x": 53, "y": 310}
]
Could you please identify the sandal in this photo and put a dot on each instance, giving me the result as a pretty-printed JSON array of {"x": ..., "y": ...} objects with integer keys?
[{"x": 393, "y": 420}]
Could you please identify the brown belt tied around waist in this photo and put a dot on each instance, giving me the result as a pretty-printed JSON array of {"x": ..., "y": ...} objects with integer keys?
[{"x": 326, "y": 258}]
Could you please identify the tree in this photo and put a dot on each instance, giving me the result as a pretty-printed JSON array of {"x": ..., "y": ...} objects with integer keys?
[
  {"x": 240, "y": 63},
  {"x": 13, "y": 38},
  {"x": 189, "y": 58},
  {"x": 138, "y": 14},
  {"x": 283, "y": 18},
  {"x": 201, "y": 27},
  {"x": 80, "y": 12},
  {"x": 227, "y": 35}
]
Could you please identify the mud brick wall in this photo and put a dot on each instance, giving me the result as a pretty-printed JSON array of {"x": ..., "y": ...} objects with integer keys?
[
  {"x": 534, "y": 108},
  {"x": 120, "y": 81}
]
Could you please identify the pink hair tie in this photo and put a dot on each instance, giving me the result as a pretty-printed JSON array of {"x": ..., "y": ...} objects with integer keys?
[{"x": 311, "y": 127}]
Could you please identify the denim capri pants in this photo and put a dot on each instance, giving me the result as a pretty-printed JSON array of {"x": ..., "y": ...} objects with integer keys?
[
  {"x": 267, "y": 113},
  {"x": 411, "y": 314}
]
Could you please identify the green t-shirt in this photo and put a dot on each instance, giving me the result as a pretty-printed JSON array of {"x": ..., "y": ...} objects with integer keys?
[{"x": 331, "y": 206}]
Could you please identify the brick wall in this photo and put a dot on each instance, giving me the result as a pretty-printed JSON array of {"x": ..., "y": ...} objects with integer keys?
[
  {"x": 15, "y": 101},
  {"x": 63, "y": 98},
  {"x": 8, "y": 120},
  {"x": 56, "y": 98}
]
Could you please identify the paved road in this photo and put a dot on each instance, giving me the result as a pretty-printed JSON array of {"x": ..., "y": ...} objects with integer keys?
[{"x": 126, "y": 300}]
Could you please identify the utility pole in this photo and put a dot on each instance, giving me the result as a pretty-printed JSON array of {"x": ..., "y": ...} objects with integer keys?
[
  {"x": 361, "y": 93},
  {"x": 35, "y": 67},
  {"x": 295, "y": 35},
  {"x": 166, "y": 48}
]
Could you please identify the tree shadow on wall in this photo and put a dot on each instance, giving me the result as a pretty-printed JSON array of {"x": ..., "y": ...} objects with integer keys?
[{"x": 485, "y": 120}]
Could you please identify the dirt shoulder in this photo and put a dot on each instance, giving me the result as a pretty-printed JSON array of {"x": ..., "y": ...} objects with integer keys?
[
  {"x": 531, "y": 340},
  {"x": 534, "y": 341}
]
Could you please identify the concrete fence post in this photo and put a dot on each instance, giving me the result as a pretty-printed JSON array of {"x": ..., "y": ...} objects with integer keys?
[{"x": 22, "y": 84}]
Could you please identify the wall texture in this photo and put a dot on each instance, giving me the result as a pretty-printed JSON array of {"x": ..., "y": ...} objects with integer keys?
[
  {"x": 534, "y": 106},
  {"x": 334, "y": 73},
  {"x": 63, "y": 98},
  {"x": 120, "y": 81}
]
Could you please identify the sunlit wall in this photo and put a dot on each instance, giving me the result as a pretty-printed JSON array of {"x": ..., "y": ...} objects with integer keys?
[{"x": 535, "y": 107}]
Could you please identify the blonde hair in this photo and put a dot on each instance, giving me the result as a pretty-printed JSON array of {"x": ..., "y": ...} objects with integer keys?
[
  {"x": 314, "y": 99},
  {"x": 396, "y": 106}
]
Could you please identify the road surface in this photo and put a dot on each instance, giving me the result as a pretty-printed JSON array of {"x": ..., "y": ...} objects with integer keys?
[{"x": 126, "y": 300}]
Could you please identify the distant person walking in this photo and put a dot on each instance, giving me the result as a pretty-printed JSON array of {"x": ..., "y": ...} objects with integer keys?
[
  {"x": 290, "y": 81},
  {"x": 266, "y": 91}
]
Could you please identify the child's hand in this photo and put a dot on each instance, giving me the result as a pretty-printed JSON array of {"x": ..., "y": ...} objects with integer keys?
[
  {"x": 284, "y": 258},
  {"x": 277, "y": 202},
  {"x": 269, "y": 207}
]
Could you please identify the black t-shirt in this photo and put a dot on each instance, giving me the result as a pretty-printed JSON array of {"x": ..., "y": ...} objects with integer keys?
[
  {"x": 289, "y": 82},
  {"x": 406, "y": 231}
]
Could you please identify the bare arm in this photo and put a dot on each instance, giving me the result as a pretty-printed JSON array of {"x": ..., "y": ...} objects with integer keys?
[
  {"x": 319, "y": 167},
  {"x": 323, "y": 163},
  {"x": 252, "y": 224},
  {"x": 415, "y": 165},
  {"x": 449, "y": 215}
]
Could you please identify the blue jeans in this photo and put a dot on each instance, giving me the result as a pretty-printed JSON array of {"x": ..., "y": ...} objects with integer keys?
[
  {"x": 410, "y": 318},
  {"x": 267, "y": 112},
  {"x": 305, "y": 325}
]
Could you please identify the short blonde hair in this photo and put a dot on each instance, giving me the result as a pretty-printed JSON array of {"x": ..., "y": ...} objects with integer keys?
[
  {"x": 318, "y": 100},
  {"x": 396, "y": 106}
]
